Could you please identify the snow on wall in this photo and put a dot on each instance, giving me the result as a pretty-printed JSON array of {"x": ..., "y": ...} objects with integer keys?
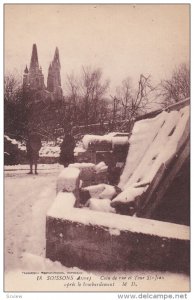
[
  {"x": 62, "y": 208},
  {"x": 68, "y": 179},
  {"x": 88, "y": 138},
  {"x": 110, "y": 138},
  {"x": 64, "y": 202},
  {"x": 101, "y": 166},
  {"x": 120, "y": 140},
  {"x": 82, "y": 165}
]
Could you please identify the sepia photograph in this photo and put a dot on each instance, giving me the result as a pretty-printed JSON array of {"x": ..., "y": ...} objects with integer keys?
[{"x": 96, "y": 148}]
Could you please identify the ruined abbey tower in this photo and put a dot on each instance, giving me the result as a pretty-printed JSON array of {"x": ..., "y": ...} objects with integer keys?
[
  {"x": 33, "y": 78},
  {"x": 54, "y": 76}
]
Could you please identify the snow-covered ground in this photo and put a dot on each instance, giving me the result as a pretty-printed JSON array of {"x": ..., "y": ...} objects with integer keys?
[
  {"x": 27, "y": 199},
  {"x": 26, "y": 202},
  {"x": 49, "y": 150}
]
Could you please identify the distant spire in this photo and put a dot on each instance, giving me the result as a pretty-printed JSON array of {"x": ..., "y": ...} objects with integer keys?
[
  {"x": 54, "y": 77},
  {"x": 50, "y": 67},
  {"x": 26, "y": 70},
  {"x": 34, "y": 58},
  {"x": 56, "y": 57}
]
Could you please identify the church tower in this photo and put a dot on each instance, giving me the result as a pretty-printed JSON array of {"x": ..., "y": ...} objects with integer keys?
[
  {"x": 54, "y": 77},
  {"x": 26, "y": 77},
  {"x": 34, "y": 77},
  {"x": 34, "y": 65}
]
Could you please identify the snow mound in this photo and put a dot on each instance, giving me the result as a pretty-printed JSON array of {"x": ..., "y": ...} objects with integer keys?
[
  {"x": 108, "y": 192},
  {"x": 63, "y": 202},
  {"x": 101, "y": 167},
  {"x": 101, "y": 205},
  {"x": 129, "y": 194},
  {"x": 101, "y": 191},
  {"x": 95, "y": 190},
  {"x": 87, "y": 169},
  {"x": 68, "y": 179},
  {"x": 88, "y": 139},
  {"x": 82, "y": 165},
  {"x": 79, "y": 150}
]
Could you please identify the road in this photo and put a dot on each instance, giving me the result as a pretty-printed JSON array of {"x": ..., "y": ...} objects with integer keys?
[{"x": 26, "y": 201}]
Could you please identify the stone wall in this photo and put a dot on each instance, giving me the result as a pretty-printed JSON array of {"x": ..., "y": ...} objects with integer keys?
[{"x": 96, "y": 247}]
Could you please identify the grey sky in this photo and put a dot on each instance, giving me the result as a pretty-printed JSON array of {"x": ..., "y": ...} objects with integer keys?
[{"x": 123, "y": 40}]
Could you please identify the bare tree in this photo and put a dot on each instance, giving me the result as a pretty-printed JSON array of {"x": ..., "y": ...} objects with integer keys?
[
  {"x": 141, "y": 102},
  {"x": 86, "y": 96},
  {"x": 134, "y": 101},
  {"x": 115, "y": 111},
  {"x": 14, "y": 111},
  {"x": 176, "y": 88},
  {"x": 93, "y": 91},
  {"x": 124, "y": 97},
  {"x": 102, "y": 111},
  {"x": 73, "y": 96},
  {"x": 12, "y": 89}
]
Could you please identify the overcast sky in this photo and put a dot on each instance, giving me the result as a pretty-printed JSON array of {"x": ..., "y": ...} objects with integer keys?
[{"x": 123, "y": 40}]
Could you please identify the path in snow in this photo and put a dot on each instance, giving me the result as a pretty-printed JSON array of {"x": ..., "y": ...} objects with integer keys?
[{"x": 27, "y": 199}]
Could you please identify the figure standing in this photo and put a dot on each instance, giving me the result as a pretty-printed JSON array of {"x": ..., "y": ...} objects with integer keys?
[
  {"x": 33, "y": 146},
  {"x": 67, "y": 150}
]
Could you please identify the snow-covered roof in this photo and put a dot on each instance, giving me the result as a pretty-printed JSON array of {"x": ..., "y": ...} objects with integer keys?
[{"x": 152, "y": 143}]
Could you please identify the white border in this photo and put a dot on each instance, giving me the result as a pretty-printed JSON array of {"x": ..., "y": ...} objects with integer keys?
[{"x": 79, "y": 296}]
